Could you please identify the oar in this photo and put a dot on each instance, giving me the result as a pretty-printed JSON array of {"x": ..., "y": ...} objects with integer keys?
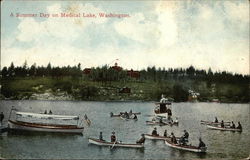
[{"x": 113, "y": 144}]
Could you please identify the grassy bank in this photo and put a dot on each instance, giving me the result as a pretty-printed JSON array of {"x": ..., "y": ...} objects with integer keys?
[{"x": 83, "y": 89}]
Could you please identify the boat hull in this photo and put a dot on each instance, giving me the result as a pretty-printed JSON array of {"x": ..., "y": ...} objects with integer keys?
[
  {"x": 185, "y": 148},
  {"x": 14, "y": 125},
  {"x": 104, "y": 143},
  {"x": 223, "y": 128}
]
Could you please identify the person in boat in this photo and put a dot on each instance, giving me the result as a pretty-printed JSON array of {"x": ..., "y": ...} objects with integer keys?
[
  {"x": 126, "y": 115},
  {"x": 169, "y": 113},
  {"x": 233, "y": 125},
  {"x": 135, "y": 117},
  {"x": 216, "y": 120},
  {"x": 101, "y": 137},
  {"x": 154, "y": 132},
  {"x": 50, "y": 112},
  {"x": 165, "y": 133},
  {"x": 113, "y": 137},
  {"x": 201, "y": 143},
  {"x": 45, "y": 112},
  {"x": 173, "y": 138},
  {"x": 111, "y": 114},
  {"x": 184, "y": 138},
  {"x": 1, "y": 118},
  {"x": 222, "y": 124},
  {"x": 176, "y": 120},
  {"x": 160, "y": 120},
  {"x": 141, "y": 140},
  {"x": 239, "y": 126},
  {"x": 130, "y": 112}
]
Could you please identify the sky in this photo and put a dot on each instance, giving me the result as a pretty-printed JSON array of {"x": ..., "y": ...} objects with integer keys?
[{"x": 170, "y": 34}]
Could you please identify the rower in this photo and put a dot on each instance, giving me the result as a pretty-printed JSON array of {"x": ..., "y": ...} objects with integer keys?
[
  {"x": 165, "y": 133},
  {"x": 113, "y": 137},
  {"x": 100, "y": 137},
  {"x": 233, "y": 125},
  {"x": 50, "y": 112},
  {"x": 126, "y": 115},
  {"x": 154, "y": 132},
  {"x": 1, "y": 118},
  {"x": 45, "y": 112},
  {"x": 111, "y": 114},
  {"x": 141, "y": 140},
  {"x": 130, "y": 112},
  {"x": 184, "y": 138},
  {"x": 201, "y": 144},
  {"x": 135, "y": 117},
  {"x": 160, "y": 120},
  {"x": 222, "y": 124},
  {"x": 216, "y": 120},
  {"x": 239, "y": 126},
  {"x": 173, "y": 138}
]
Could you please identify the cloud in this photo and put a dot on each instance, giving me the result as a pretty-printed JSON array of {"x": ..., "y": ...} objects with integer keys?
[
  {"x": 66, "y": 29},
  {"x": 169, "y": 34}
]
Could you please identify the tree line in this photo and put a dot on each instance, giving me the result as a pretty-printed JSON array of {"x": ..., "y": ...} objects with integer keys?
[{"x": 107, "y": 74}]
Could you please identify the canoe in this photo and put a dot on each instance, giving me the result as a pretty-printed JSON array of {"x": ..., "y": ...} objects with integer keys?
[
  {"x": 105, "y": 143},
  {"x": 185, "y": 147},
  {"x": 223, "y": 128},
  {"x": 39, "y": 127},
  {"x": 150, "y": 136}
]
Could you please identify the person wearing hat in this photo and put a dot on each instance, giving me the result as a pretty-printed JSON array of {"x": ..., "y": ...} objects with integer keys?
[
  {"x": 100, "y": 137},
  {"x": 184, "y": 138},
  {"x": 173, "y": 138},
  {"x": 201, "y": 144},
  {"x": 113, "y": 137},
  {"x": 1, "y": 118},
  {"x": 154, "y": 132},
  {"x": 142, "y": 140},
  {"x": 165, "y": 133}
]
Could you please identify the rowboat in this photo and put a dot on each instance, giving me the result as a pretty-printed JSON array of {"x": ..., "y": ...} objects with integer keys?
[
  {"x": 137, "y": 113},
  {"x": 214, "y": 123},
  {"x": 126, "y": 119},
  {"x": 150, "y": 136},
  {"x": 105, "y": 143},
  {"x": 161, "y": 123},
  {"x": 223, "y": 128},
  {"x": 19, "y": 125},
  {"x": 184, "y": 147},
  {"x": 156, "y": 123}
]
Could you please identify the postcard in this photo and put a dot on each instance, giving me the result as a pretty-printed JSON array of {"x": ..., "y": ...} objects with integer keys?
[{"x": 118, "y": 79}]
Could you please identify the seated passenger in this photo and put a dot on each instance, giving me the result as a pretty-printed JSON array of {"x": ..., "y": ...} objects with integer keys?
[
  {"x": 201, "y": 144},
  {"x": 154, "y": 132},
  {"x": 141, "y": 140}
]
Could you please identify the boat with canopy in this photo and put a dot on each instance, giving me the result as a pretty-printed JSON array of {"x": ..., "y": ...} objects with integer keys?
[{"x": 26, "y": 121}]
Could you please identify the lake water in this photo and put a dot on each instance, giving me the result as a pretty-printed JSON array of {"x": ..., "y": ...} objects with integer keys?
[{"x": 221, "y": 144}]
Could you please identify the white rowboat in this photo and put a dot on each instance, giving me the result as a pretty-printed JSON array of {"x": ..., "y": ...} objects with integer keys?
[
  {"x": 185, "y": 147},
  {"x": 105, "y": 143},
  {"x": 223, "y": 128},
  {"x": 150, "y": 136}
]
